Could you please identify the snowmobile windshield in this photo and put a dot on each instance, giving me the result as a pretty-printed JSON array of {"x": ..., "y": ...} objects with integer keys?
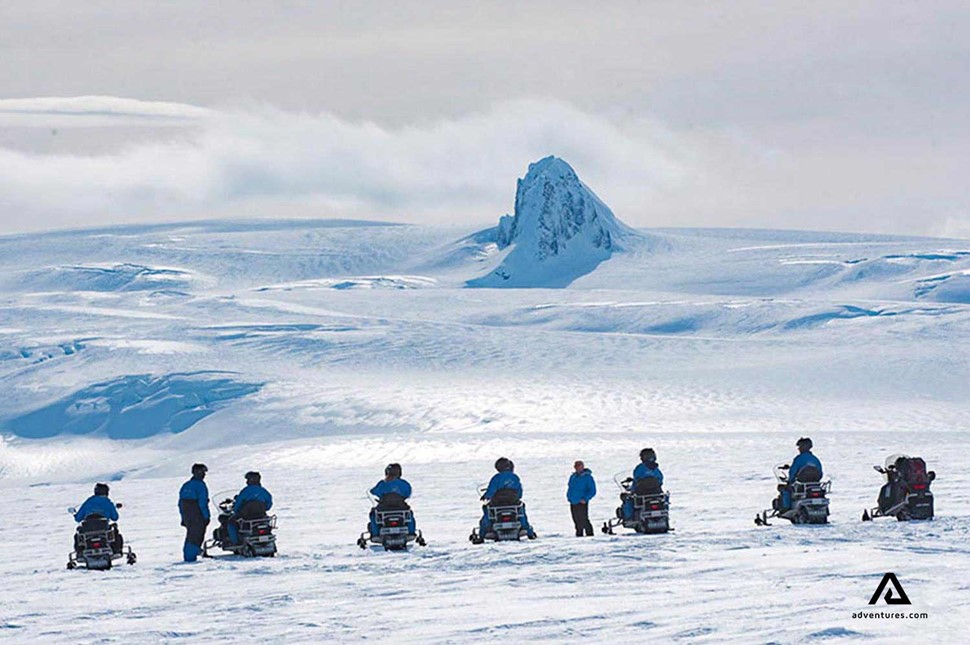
[
  {"x": 219, "y": 498},
  {"x": 891, "y": 460},
  {"x": 620, "y": 477},
  {"x": 781, "y": 472}
]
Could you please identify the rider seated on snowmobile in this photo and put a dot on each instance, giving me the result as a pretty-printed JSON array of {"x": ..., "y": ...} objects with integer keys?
[
  {"x": 904, "y": 475},
  {"x": 251, "y": 503},
  {"x": 392, "y": 493},
  {"x": 804, "y": 468},
  {"x": 647, "y": 480},
  {"x": 100, "y": 509},
  {"x": 504, "y": 489}
]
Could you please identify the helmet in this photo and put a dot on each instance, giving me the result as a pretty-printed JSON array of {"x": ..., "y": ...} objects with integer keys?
[
  {"x": 648, "y": 455},
  {"x": 804, "y": 444},
  {"x": 101, "y": 489},
  {"x": 199, "y": 470},
  {"x": 504, "y": 464},
  {"x": 252, "y": 478},
  {"x": 393, "y": 470}
]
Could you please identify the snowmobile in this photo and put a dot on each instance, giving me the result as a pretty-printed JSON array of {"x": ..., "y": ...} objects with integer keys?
[
  {"x": 97, "y": 543},
  {"x": 393, "y": 519},
  {"x": 649, "y": 504},
  {"x": 809, "y": 501},
  {"x": 906, "y": 494},
  {"x": 255, "y": 528},
  {"x": 505, "y": 512}
]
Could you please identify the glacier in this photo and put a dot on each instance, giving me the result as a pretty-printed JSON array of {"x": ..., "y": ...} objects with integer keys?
[{"x": 318, "y": 351}]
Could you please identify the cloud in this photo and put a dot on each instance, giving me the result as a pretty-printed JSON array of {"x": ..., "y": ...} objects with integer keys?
[
  {"x": 265, "y": 162},
  {"x": 273, "y": 163},
  {"x": 95, "y": 111}
]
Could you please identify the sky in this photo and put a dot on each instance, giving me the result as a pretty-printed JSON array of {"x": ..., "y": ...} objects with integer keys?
[{"x": 808, "y": 115}]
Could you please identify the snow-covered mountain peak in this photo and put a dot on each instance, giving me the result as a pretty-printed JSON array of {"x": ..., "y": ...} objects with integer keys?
[{"x": 560, "y": 230}]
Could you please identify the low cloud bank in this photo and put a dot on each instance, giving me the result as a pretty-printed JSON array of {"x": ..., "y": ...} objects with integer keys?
[{"x": 263, "y": 162}]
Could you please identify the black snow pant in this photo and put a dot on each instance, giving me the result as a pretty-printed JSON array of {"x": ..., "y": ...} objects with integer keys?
[
  {"x": 580, "y": 514},
  {"x": 195, "y": 525}
]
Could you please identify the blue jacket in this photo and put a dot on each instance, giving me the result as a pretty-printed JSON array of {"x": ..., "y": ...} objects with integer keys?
[
  {"x": 250, "y": 493},
  {"x": 581, "y": 487},
  {"x": 195, "y": 489},
  {"x": 399, "y": 486},
  {"x": 97, "y": 504},
  {"x": 501, "y": 481},
  {"x": 802, "y": 460},
  {"x": 643, "y": 471}
]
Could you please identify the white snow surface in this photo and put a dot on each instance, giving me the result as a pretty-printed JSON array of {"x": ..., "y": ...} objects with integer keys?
[{"x": 316, "y": 352}]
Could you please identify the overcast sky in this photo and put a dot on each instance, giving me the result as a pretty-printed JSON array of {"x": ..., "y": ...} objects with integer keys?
[{"x": 814, "y": 115}]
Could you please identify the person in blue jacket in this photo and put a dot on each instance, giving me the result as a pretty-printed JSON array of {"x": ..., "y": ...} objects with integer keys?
[
  {"x": 580, "y": 490},
  {"x": 251, "y": 503},
  {"x": 194, "y": 509},
  {"x": 504, "y": 480},
  {"x": 647, "y": 468},
  {"x": 98, "y": 504},
  {"x": 392, "y": 484},
  {"x": 803, "y": 459}
]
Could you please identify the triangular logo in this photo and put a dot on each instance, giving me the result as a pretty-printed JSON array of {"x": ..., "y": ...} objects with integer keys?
[{"x": 900, "y": 597}]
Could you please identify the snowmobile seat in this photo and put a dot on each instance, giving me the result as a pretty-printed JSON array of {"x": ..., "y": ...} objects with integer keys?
[
  {"x": 808, "y": 475},
  {"x": 505, "y": 497},
  {"x": 253, "y": 510},
  {"x": 392, "y": 502},
  {"x": 94, "y": 524},
  {"x": 647, "y": 486}
]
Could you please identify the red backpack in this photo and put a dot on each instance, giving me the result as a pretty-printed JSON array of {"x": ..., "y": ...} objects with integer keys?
[{"x": 915, "y": 473}]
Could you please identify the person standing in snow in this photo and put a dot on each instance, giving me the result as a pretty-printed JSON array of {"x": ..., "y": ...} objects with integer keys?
[
  {"x": 194, "y": 509},
  {"x": 251, "y": 503},
  {"x": 580, "y": 490}
]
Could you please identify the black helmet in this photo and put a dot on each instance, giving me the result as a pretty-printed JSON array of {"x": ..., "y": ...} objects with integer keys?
[
  {"x": 504, "y": 464},
  {"x": 393, "y": 470},
  {"x": 804, "y": 444},
  {"x": 647, "y": 455},
  {"x": 101, "y": 490},
  {"x": 252, "y": 478},
  {"x": 199, "y": 470}
]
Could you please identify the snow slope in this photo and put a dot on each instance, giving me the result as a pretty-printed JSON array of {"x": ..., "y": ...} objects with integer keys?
[{"x": 316, "y": 352}]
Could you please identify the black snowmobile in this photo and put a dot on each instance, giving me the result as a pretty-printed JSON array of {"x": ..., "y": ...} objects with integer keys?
[
  {"x": 392, "y": 518},
  {"x": 906, "y": 494},
  {"x": 647, "y": 504},
  {"x": 809, "y": 498},
  {"x": 97, "y": 543},
  {"x": 505, "y": 511},
  {"x": 256, "y": 529}
]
